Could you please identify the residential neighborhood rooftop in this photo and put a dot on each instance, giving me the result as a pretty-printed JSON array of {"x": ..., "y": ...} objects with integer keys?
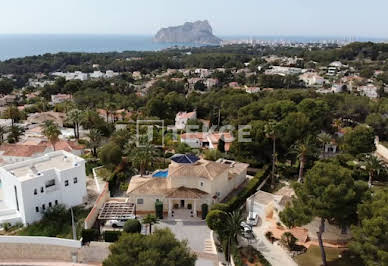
[{"x": 59, "y": 160}]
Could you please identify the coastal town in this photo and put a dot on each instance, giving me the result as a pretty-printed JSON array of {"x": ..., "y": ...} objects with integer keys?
[{"x": 252, "y": 153}]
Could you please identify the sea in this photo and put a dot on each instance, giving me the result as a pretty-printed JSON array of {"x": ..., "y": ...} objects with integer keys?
[{"x": 21, "y": 45}]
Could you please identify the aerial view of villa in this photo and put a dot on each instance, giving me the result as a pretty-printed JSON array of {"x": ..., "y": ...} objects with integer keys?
[{"x": 174, "y": 133}]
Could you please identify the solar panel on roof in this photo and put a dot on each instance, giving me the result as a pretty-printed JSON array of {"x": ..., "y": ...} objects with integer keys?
[{"x": 184, "y": 158}]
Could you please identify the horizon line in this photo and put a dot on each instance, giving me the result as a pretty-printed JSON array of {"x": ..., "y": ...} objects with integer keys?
[{"x": 342, "y": 37}]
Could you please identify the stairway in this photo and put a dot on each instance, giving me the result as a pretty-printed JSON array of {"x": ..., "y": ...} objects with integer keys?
[{"x": 209, "y": 247}]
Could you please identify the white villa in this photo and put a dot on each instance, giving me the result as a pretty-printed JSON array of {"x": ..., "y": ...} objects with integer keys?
[
  {"x": 188, "y": 183},
  {"x": 181, "y": 119},
  {"x": 312, "y": 79},
  {"x": 30, "y": 187},
  {"x": 207, "y": 139}
]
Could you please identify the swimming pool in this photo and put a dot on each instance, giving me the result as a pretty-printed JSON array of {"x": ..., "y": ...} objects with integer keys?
[{"x": 161, "y": 174}]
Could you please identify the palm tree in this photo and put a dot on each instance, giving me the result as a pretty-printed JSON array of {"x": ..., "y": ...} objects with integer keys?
[
  {"x": 14, "y": 133},
  {"x": 337, "y": 123},
  {"x": 324, "y": 138},
  {"x": 374, "y": 166},
  {"x": 150, "y": 219},
  {"x": 231, "y": 231},
  {"x": 89, "y": 118},
  {"x": 13, "y": 113},
  {"x": 52, "y": 132},
  {"x": 110, "y": 108},
  {"x": 141, "y": 156},
  {"x": 303, "y": 149},
  {"x": 75, "y": 116},
  {"x": 94, "y": 142},
  {"x": 270, "y": 130}
]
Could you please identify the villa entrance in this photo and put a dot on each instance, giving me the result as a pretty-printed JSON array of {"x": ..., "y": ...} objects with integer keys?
[{"x": 185, "y": 202}]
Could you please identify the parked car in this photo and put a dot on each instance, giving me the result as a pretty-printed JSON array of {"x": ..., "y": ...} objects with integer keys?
[
  {"x": 117, "y": 223},
  {"x": 246, "y": 227},
  {"x": 247, "y": 231},
  {"x": 253, "y": 218}
]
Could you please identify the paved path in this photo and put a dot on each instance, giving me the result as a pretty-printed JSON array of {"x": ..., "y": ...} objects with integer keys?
[
  {"x": 197, "y": 234},
  {"x": 275, "y": 254}
]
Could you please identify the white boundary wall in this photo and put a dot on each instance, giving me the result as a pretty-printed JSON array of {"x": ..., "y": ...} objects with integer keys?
[{"x": 41, "y": 240}]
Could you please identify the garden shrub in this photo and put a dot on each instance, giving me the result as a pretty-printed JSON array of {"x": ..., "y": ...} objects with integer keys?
[
  {"x": 132, "y": 226},
  {"x": 89, "y": 235},
  {"x": 112, "y": 236}
]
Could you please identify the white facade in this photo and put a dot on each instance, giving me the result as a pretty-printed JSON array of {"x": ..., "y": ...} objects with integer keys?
[
  {"x": 31, "y": 187},
  {"x": 182, "y": 118}
]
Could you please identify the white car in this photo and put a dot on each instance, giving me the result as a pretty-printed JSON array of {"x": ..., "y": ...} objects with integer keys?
[
  {"x": 253, "y": 218},
  {"x": 117, "y": 223},
  {"x": 246, "y": 227}
]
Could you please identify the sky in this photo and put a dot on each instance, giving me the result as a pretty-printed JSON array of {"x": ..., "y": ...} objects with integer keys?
[{"x": 342, "y": 18}]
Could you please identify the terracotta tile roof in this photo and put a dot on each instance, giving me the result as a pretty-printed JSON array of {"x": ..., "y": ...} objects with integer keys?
[
  {"x": 195, "y": 135},
  {"x": 182, "y": 115},
  {"x": 215, "y": 137},
  {"x": 40, "y": 118},
  {"x": 185, "y": 193},
  {"x": 203, "y": 168},
  {"x": 21, "y": 150},
  {"x": 147, "y": 186},
  {"x": 64, "y": 145}
]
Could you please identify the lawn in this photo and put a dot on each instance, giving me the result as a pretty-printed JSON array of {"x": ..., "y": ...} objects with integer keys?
[{"x": 313, "y": 257}]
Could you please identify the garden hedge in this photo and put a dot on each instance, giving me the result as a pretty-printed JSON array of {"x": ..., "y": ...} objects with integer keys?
[{"x": 112, "y": 236}]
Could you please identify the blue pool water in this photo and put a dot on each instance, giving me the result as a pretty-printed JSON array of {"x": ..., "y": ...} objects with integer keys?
[{"x": 161, "y": 174}]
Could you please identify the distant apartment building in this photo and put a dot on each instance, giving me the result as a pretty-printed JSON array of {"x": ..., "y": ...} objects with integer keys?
[
  {"x": 210, "y": 83},
  {"x": 283, "y": 71},
  {"x": 312, "y": 79},
  {"x": 369, "y": 91},
  {"x": 31, "y": 187},
  {"x": 60, "y": 98}
]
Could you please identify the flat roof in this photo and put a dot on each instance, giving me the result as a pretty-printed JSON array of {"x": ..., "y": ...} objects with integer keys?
[
  {"x": 117, "y": 211},
  {"x": 59, "y": 160}
]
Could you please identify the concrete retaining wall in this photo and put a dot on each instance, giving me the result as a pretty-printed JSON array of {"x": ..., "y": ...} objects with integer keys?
[
  {"x": 41, "y": 240},
  {"x": 42, "y": 248},
  {"x": 51, "y": 248}
]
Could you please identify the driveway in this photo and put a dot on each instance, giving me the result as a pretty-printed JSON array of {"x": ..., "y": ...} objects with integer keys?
[
  {"x": 197, "y": 234},
  {"x": 275, "y": 254}
]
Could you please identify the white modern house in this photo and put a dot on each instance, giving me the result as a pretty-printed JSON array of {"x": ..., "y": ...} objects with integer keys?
[{"x": 30, "y": 187}]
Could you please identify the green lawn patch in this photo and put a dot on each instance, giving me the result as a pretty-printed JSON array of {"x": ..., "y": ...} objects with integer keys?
[{"x": 313, "y": 257}]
